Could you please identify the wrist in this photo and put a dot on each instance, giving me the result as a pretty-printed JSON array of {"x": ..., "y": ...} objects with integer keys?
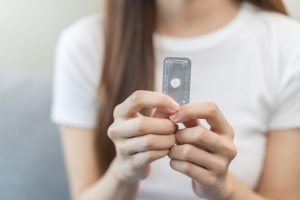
[
  {"x": 119, "y": 174},
  {"x": 227, "y": 192}
]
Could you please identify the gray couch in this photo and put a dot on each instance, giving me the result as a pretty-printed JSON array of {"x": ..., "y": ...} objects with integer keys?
[{"x": 31, "y": 163}]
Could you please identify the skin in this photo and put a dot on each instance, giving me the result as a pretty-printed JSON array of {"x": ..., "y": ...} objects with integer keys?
[
  {"x": 189, "y": 18},
  {"x": 138, "y": 142}
]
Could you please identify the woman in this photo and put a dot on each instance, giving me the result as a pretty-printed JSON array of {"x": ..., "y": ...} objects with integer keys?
[{"x": 245, "y": 85}]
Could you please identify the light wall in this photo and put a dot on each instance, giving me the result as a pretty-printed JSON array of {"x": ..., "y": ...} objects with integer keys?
[
  {"x": 294, "y": 7},
  {"x": 29, "y": 28}
]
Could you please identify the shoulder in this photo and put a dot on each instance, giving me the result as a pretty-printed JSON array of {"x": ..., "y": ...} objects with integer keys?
[
  {"x": 279, "y": 38},
  {"x": 79, "y": 53},
  {"x": 282, "y": 30},
  {"x": 77, "y": 73},
  {"x": 80, "y": 47},
  {"x": 284, "y": 26},
  {"x": 84, "y": 34},
  {"x": 86, "y": 26}
]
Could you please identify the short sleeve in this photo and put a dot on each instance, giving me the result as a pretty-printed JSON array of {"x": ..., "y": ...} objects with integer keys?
[
  {"x": 287, "y": 109},
  {"x": 76, "y": 78}
]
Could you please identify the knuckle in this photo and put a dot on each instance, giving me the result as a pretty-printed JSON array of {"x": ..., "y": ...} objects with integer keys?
[
  {"x": 211, "y": 180},
  {"x": 116, "y": 111},
  {"x": 141, "y": 125},
  {"x": 230, "y": 149},
  {"x": 221, "y": 166},
  {"x": 137, "y": 95},
  {"x": 200, "y": 134},
  {"x": 212, "y": 109},
  {"x": 149, "y": 156},
  {"x": 149, "y": 141},
  {"x": 187, "y": 152},
  {"x": 234, "y": 152},
  {"x": 186, "y": 168},
  {"x": 162, "y": 100},
  {"x": 112, "y": 132}
]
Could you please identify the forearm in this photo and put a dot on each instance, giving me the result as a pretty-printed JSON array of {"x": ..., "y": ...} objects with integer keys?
[
  {"x": 110, "y": 187},
  {"x": 241, "y": 191}
]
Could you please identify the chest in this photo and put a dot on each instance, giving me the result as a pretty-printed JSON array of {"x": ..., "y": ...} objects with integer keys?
[{"x": 237, "y": 81}]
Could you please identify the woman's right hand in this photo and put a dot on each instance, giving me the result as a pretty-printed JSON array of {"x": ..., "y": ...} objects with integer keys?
[{"x": 140, "y": 140}]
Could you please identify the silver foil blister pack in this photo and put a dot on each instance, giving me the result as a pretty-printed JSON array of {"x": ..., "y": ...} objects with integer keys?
[{"x": 177, "y": 79}]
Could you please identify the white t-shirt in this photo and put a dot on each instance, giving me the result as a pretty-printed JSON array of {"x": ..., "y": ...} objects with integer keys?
[{"x": 250, "y": 68}]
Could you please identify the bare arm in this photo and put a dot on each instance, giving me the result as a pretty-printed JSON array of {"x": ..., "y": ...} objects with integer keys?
[
  {"x": 85, "y": 180},
  {"x": 204, "y": 155},
  {"x": 139, "y": 140},
  {"x": 281, "y": 174}
]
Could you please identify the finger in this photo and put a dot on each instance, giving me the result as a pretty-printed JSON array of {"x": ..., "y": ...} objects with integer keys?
[
  {"x": 141, "y": 126},
  {"x": 159, "y": 114},
  {"x": 201, "y": 175},
  {"x": 145, "y": 99},
  {"x": 145, "y": 143},
  {"x": 142, "y": 159},
  {"x": 200, "y": 137},
  {"x": 199, "y": 157},
  {"x": 162, "y": 115},
  {"x": 191, "y": 123},
  {"x": 203, "y": 137},
  {"x": 208, "y": 111}
]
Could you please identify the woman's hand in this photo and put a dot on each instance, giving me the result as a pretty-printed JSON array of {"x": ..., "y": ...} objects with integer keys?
[
  {"x": 140, "y": 140},
  {"x": 202, "y": 154}
]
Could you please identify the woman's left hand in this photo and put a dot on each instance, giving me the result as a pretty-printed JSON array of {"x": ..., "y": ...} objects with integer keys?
[{"x": 204, "y": 154}]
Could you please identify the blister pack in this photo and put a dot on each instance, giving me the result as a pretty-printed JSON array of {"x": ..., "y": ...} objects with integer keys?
[{"x": 177, "y": 79}]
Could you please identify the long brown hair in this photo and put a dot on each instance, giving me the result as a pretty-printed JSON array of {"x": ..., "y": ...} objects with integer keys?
[{"x": 128, "y": 63}]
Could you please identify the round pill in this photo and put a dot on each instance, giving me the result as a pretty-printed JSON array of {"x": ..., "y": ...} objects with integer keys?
[{"x": 175, "y": 83}]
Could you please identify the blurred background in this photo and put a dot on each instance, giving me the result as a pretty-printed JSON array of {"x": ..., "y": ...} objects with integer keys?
[
  {"x": 30, "y": 28},
  {"x": 31, "y": 164}
]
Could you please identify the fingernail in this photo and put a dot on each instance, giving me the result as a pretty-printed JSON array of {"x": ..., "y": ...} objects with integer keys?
[
  {"x": 174, "y": 106},
  {"x": 174, "y": 117}
]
